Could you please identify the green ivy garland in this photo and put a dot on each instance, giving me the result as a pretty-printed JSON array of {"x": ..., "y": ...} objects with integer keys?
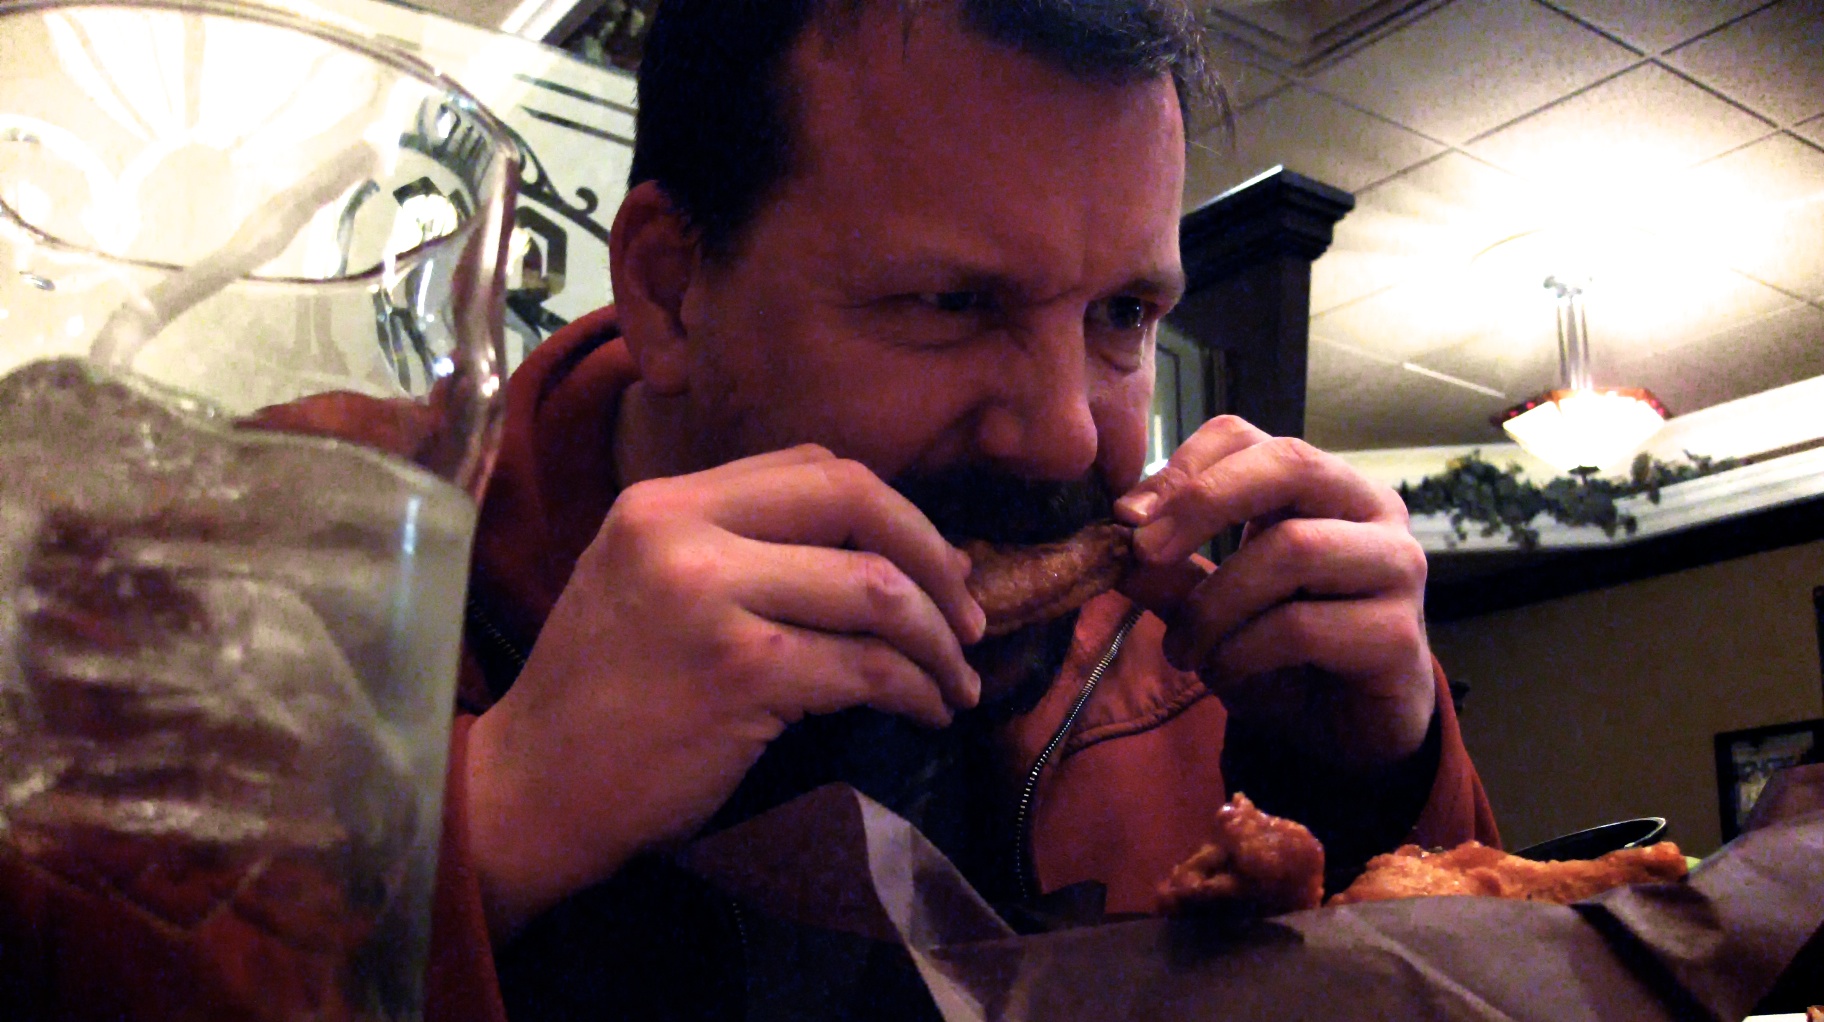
[{"x": 1471, "y": 489}]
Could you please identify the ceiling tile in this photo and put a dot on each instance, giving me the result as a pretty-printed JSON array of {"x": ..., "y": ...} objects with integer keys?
[
  {"x": 1680, "y": 304},
  {"x": 1472, "y": 66},
  {"x": 1812, "y": 131},
  {"x": 1358, "y": 402},
  {"x": 1243, "y": 77},
  {"x": 1212, "y": 166},
  {"x": 1215, "y": 162},
  {"x": 1519, "y": 359},
  {"x": 1769, "y": 62},
  {"x": 1759, "y": 209},
  {"x": 1657, "y": 25},
  {"x": 1294, "y": 24},
  {"x": 1618, "y": 136},
  {"x": 1323, "y": 139},
  {"x": 1390, "y": 407},
  {"x": 1782, "y": 347},
  {"x": 1403, "y": 322},
  {"x": 1424, "y": 224}
]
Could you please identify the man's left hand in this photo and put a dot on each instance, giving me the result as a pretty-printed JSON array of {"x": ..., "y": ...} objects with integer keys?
[{"x": 1314, "y": 628}]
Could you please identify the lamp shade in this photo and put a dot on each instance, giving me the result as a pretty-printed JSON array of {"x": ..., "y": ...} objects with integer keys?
[{"x": 1588, "y": 428}]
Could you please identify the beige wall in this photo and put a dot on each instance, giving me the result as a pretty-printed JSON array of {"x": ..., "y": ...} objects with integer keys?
[{"x": 1601, "y": 706}]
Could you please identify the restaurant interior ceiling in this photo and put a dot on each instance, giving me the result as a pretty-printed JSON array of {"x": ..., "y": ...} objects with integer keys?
[{"x": 1671, "y": 151}]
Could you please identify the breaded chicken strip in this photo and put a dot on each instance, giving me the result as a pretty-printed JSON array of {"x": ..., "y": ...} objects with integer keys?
[
  {"x": 1023, "y": 585},
  {"x": 1477, "y": 869}
]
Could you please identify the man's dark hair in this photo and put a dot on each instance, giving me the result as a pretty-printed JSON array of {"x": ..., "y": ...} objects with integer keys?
[{"x": 714, "y": 127}]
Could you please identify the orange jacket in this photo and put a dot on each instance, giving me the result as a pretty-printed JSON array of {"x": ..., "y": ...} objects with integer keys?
[{"x": 1131, "y": 791}]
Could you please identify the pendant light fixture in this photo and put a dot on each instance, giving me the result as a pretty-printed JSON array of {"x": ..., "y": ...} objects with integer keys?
[{"x": 1580, "y": 425}]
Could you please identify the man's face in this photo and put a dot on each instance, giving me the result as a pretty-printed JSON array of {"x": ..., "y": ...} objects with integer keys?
[{"x": 965, "y": 267}]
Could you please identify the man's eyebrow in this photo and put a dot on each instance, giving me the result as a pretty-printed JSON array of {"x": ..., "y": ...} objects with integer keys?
[{"x": 1166, "y": 284}]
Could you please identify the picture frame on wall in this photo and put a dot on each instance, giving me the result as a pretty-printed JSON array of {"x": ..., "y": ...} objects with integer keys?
[{"x": 1747, "y": 758}]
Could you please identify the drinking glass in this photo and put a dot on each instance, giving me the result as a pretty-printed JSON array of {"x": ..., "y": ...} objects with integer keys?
[{"x": 251, "y": 293}]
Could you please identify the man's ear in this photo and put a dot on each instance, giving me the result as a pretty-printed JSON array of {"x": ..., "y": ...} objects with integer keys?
[{"x": 652, "y": 257}]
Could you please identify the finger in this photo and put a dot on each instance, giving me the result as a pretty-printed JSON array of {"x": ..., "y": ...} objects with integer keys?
[
  {"x": 1282, "y": 474},
  {"x": 1212, "y": 442},
  {"x": 838, "y": 503},
  {"x": 852, "y": 592},
  {"x": 1324, "y": 557},
  {"x": 1371, "y": 642},
  {"x": 815, "y": 672},
  {"x": 1163, "y": 588},
  {"x": 801, "y": 454}
]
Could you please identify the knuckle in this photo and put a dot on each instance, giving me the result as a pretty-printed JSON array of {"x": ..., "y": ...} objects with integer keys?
[
  {"x": 1413, "y": 563},
  {"x": 1172, "y": 479},
  {"x": 1301, "y": 541},
  {"x": 746, "y": 655},
  {"x": 1404, "y": 631},
  {"x": 641, "y": 511},
  {"x": 879, "y": 666},
  {"x": 886, "y": 589},
  {"x": 846, "y": 476},
  {"x": 1397, "y": 511},
  {"x": 1300, "y": 625},
  {"x": 1295, "y": 454},
  {"x": 689, "y": 571},
  {"x": 1233, "y": 425}
]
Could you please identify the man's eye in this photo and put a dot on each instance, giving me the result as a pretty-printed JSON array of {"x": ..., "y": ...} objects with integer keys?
[
  {"x": 957, "y": 301},
  {"x": 1122, "y": 313}
]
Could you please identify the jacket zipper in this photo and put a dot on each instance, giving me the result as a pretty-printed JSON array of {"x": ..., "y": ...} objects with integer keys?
[
  {"x": 484, "y": 628},
  {"x": 1022, "y": 862}
]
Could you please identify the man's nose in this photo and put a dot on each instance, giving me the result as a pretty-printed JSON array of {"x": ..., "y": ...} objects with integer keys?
[{"x": 1040, "y": 425}]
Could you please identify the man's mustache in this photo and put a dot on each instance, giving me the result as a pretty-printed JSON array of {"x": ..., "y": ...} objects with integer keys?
[{"x": 992, "y": 504}]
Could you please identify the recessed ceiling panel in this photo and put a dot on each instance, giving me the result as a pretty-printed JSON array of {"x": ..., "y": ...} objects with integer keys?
[
  {"x": 1621, "y": 136},
  {"x": 1679, "y": 303},
  {"x": 1408, "y": 321},
  {"x": 1424, "y": 225},
  {"x": 1299, "y": 31},
  {"x": 1759, "y": 209},
  {"x": 1391, "y": 407},
  {"x": 1771, "y": 61},
  {"x": 1323, "y": 139},
  {"x": 1784, "y": 346},
  {"x": 1657, "y": 25},
  {"x": 1473, "y": 66},
  {"x": 1812, "y": 131}
]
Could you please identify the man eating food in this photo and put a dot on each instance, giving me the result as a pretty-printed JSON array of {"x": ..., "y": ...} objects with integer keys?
[{"x": 888, "y": 279}]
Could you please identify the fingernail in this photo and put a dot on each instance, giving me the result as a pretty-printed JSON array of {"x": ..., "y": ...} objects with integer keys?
[
  {"x": 974, "y": 688},
  {"x": 961, "y": 560},
  {"x": 978, "y": 623},
  {"x": 1139, "y": 505},
  {"x": 1152, "y": 540}
]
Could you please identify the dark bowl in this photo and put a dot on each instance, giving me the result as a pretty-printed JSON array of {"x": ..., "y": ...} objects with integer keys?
[{"x": 1597, "y": 841}]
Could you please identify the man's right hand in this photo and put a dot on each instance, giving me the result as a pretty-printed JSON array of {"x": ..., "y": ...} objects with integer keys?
[{"x": 711, "y": 611}]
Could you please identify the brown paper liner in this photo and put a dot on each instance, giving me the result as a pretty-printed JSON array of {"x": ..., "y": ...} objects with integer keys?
[{"x": 1709, "y": 948}]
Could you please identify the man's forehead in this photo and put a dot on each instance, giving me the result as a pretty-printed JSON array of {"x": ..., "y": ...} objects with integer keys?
[{"x": 925, "y": 124}]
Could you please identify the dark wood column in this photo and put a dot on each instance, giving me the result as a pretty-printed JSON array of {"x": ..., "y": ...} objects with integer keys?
[{"x": 1247, "y": 256}]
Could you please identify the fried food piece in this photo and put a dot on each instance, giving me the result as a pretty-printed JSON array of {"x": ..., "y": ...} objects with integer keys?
[
  {"x": 1257, "y": 863},
  {"x": 1475, "y": 869},
  {"x": 1815, "y": 1013},
  {"x": 1023, "y": 585}
]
